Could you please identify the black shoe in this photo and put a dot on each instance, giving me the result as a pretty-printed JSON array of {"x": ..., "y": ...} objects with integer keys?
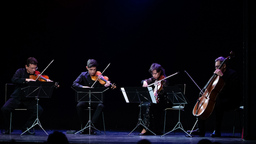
[
  {"x": 6, "y": 132},
  {"x": 87, "y": 132},
  {"x": 195, "y": 130},
  {"x": 201, "y": 135},
  {"x": 29, "y": 132},
  {"x": 159, "y": 133},
  {"x": 215, "y": 134},
  {"x": 84, "y": 132},
  {"x": 198, "y": 132},
  {"x": 93, "y": 132}
]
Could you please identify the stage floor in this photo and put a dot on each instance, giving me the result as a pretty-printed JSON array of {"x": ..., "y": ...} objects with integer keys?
[{"x": 121, "y": 137}]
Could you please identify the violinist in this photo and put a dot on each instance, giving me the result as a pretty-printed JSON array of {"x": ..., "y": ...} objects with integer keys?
[
  {"x": 228, "y": 99},
  {"x": 152, "y": 113},
  {"x": 17, "y": 98},
  {"x": 84, "y": 80}
]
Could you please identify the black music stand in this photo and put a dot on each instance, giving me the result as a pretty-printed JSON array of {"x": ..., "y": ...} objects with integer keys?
[
  {"x": 175, "y": 95},
  {"x": 38, "y": 90},
  {"x": 139, "y": 95},
  {"x": 90, "y": 95}
]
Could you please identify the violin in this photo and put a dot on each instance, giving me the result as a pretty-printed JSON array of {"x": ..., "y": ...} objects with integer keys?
[
  {"x": 158, "y": 87},
  {"x": 102, "y": 79},
  {"x": 42, "y": 78}
]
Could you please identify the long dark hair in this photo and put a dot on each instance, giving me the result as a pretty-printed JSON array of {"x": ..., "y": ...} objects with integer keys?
[{"x": 158, "y": 68}]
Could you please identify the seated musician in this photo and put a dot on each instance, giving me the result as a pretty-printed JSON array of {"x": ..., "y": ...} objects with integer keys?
[
  {"x": 152, "y": 114},
  {"x": 84, "y": 80},
  {"x": 20, "y": 78},
  {"x": 228, "y": 99}
]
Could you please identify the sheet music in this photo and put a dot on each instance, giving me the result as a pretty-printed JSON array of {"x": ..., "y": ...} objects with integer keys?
[
  {"x": 151, "y": 92},
  {"x": 125, "y": 95}
]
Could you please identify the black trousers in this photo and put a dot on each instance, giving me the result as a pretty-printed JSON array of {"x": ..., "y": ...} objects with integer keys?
[
  {"x": 14, "y": 103},
  {"x": 83, "y": 116},
  {"x": 153, "y": 115},
  {"x": 220, "y": 108}
]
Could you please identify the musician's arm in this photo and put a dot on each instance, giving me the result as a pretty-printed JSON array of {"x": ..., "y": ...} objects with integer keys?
[
  {"x": 78, "y": 80},
  {"x": 16, "y": 79},
  {"x": 146, "y": 82}
]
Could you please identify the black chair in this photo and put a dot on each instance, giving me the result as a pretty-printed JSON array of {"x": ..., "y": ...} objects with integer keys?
[
  {"x": 7, "y": 96},
  {"x": 179, "y": 101},
  {"x": 173, "y": 108},
  {"x": 238, "y": 116}
]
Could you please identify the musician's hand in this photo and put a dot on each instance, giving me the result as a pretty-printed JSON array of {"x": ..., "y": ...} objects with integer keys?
[
  {"x": 218, "y": 72},
  {"x": 56, "y": 84},
  {"x": 99, "y": 76},
  {"x": 145, "y": 84},
  {"x": 28, "y": 80},
  {"x": 158, "y": 83},
  {"x": 107, "y": 84},
  {"x": 85, "y": 87}
]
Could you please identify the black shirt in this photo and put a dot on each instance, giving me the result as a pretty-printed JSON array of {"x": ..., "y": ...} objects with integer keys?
[
  {"x": 231, "y": 92},
  {"x": 19, "y": 79},
  {"x": 84, "y": 79}
]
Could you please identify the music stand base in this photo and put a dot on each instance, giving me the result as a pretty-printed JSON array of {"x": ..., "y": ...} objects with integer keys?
[
  {"x": 36, "y": 122},
  {"x": 140, "y": 122},
  {"x": 177, "y": 126},
  {"x": 89, "y": 126}
]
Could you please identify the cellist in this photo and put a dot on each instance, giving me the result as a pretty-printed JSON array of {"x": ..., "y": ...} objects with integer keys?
[
  {"x": 152, "y": 113},
  {"x": 228, "y": 99}
]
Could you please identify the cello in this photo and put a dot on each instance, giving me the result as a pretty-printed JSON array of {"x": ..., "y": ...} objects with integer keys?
[{"x": 206, "y": 102}]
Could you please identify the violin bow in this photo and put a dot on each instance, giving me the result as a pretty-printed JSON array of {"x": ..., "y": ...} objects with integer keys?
[
  {"x": 193, "y": 81},
  {"x": 101, "y": 74},
  {"x": 44, "y": 69},
  {"x": 164, "y": 78}
]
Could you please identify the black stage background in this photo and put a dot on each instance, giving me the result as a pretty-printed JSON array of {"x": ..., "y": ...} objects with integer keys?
[{"x": 131, "y": 35}]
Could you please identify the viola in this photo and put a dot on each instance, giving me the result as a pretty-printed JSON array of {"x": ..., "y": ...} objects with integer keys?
[
  {"x": 206, "y": 102},
  {"x": 39, "y": 77},
  {"x": 102, "y": 79}
]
